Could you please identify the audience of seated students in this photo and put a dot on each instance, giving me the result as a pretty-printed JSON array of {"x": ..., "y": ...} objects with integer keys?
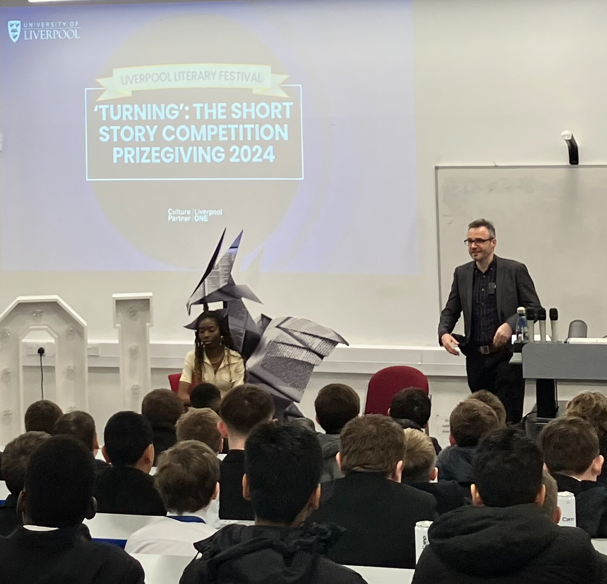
[
  {"x": 241, "y": 410},
  {"x": 187, "y": 480},
  {"x": 205, "y": 395},
  {"x": 14, "y": 464},
  {"x": 377, "y": 511},
  {"x": 506, "y": 536},
  {"x": 202, "y": 425},
  {"x": 571, "y": 453},
  {"x": 50, "y": 547},
  {"x": 494, "y": 402},
  {"x": 81, "y": 426},
  {"x": 335, "y": 405},
  {"x": 162, "y": 408},
  {"x": 127, "y": 487},
  {"x": 283, "y": 465},
  {"x": 420, "y": 472},
  {"x": 411, "y": 408},
  {"x": 592, "y": 407},
  {"x": 41, "y": 416},
  {"x": 469, "y": 422}
]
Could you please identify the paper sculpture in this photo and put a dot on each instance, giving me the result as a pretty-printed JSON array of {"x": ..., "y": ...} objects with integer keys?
[{"x": 280, "y": 353}]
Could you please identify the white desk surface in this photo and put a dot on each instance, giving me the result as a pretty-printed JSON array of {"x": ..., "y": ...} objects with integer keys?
[
  {"x": 114, "y": 526},
  {"x": 168, "y": 570},
  {"x": 600, "y": 545},
  {"x": 3, "y": 491}
]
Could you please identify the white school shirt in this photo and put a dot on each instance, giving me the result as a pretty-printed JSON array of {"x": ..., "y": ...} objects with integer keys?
[
  {"x": 230, "y": 373},
  {"x": 169, "y": 537}
]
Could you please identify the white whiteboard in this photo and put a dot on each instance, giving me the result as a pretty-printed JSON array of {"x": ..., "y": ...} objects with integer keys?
[{"x": 552, "y": 218}]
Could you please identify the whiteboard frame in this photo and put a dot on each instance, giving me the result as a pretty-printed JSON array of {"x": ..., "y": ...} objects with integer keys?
[{"x": 439, "y": 167}]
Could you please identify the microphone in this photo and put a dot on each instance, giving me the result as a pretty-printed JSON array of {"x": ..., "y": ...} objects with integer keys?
[
  {"x": 531, "y": 324},
  {"x": 541, "y": 315},
  {"x": 554, "y": 325}
]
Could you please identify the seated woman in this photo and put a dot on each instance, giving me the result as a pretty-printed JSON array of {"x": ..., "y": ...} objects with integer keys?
[{"x": 213, "y": 360}]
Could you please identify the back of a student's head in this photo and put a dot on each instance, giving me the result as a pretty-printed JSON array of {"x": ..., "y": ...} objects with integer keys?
[
  {"x": 420, "y": 458},
  {"x": 162, "y": 406},
  {"x": 126, "y": 437},
  {"x": 41, "y": 416},
  {"x": 592, "y": 407},
  {"x": 336, "y": 404},
  {"x": 59, "y": 483},
  {"x": 244, "y": 407},
  {"x": 201, "y": 425},
  {"x": 205, "y": 395},
  {"x": 570, "y": 446},
  {"x": 282, "y": 466},
  {"x": 78, "y": 424},
  {"x": 470, "y": 420},
  {"x": 411, "y": 404},
  {"x": 186, "y": 476},
  {"x": 371, "y": 443},
  {"x": 494, "y": 402},
  {"x": 551, "y": 500},
  {"x": 16, "y": 456},
  {"x": 507, "y": 469}
]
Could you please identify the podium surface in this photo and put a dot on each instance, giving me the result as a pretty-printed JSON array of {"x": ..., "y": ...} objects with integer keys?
[{"x": 564, "y": 361}]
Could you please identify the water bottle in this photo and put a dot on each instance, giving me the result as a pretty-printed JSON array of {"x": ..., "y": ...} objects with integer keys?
[{"x": 522, "y": 327}]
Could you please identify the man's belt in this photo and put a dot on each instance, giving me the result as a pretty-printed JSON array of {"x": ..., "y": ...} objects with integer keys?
[{"x": 488, "y": 349}]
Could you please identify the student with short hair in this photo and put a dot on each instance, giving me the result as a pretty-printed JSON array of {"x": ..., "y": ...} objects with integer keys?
[
  {"x": 206, "y": 395},
  {"x": 50, "y": 547},
  {"x": 162, "y": 408},
  {"x": 41, "y": 416},
  {"x": 17, "y": 454},
  {"x": 571, "y": 453},
  {"x": 506, "y": 536},
  {"x": 127, "y": 486},
  {"x": 335, "y": 405},
  {"x": 411, "y": 408},
  {"x": 377, "y": 511},
  {"x": 494, "y": 402},
  {"x": 242, "y": 408},
  {"x": 81, "y": 426},
  {"x": 283, "y": 465},
  {"x": 592, "y": 407},
  {"x": 551, "y": 500},
  {"x": 420, "y": 472},
  {"x": 470, "y": 420},
  {"x": 187, "y": 480},
  {"x": 201, "y": 424}
]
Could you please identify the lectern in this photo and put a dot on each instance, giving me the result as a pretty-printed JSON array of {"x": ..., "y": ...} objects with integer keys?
[{"x": 547, "y": 363}]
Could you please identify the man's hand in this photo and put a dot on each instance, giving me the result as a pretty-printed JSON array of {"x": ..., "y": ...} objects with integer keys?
[
  {"x": 502, "y": 335},
  {"x": 450, "y": 344}
]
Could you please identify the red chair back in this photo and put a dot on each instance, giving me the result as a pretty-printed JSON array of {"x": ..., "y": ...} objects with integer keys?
[
  {"x": 386, "y": 383},
  {"x": 174, "y": 381}
]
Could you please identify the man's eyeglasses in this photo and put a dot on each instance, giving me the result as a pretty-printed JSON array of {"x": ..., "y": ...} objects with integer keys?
[{"x": 477, "y": 241}]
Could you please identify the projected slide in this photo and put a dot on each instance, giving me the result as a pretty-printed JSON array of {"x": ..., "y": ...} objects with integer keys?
[{"x": 134, "y": 134}]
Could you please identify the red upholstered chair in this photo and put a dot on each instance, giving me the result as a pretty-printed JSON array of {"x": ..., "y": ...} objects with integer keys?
[
  {"x": 386, "y": 383},
  {"x": 174, "y": 381}
]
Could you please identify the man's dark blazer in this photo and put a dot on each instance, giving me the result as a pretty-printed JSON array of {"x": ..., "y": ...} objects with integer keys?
[
  {"x": 379, "y": 516},
  {"x": 514, "y": 288},
  {"x": 232, "y": 505}
]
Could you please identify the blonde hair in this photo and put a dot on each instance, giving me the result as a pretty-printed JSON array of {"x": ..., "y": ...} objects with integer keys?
[
  {"x": 494, "y": 402},
  {"x": 592, "y": 407},
  {"x": 420, "y": 459},
  {"x": 200, "y": 424},
  {"x": 187, "y": 476}
]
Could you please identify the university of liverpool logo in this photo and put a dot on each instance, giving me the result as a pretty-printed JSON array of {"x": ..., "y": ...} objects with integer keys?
[{"x": 14, "y": 30}]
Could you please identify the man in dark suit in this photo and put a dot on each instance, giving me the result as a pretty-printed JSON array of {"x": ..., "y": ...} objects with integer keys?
[
  {"x": 488, "y": 290},
  {"x": 377, "y": 511}
]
